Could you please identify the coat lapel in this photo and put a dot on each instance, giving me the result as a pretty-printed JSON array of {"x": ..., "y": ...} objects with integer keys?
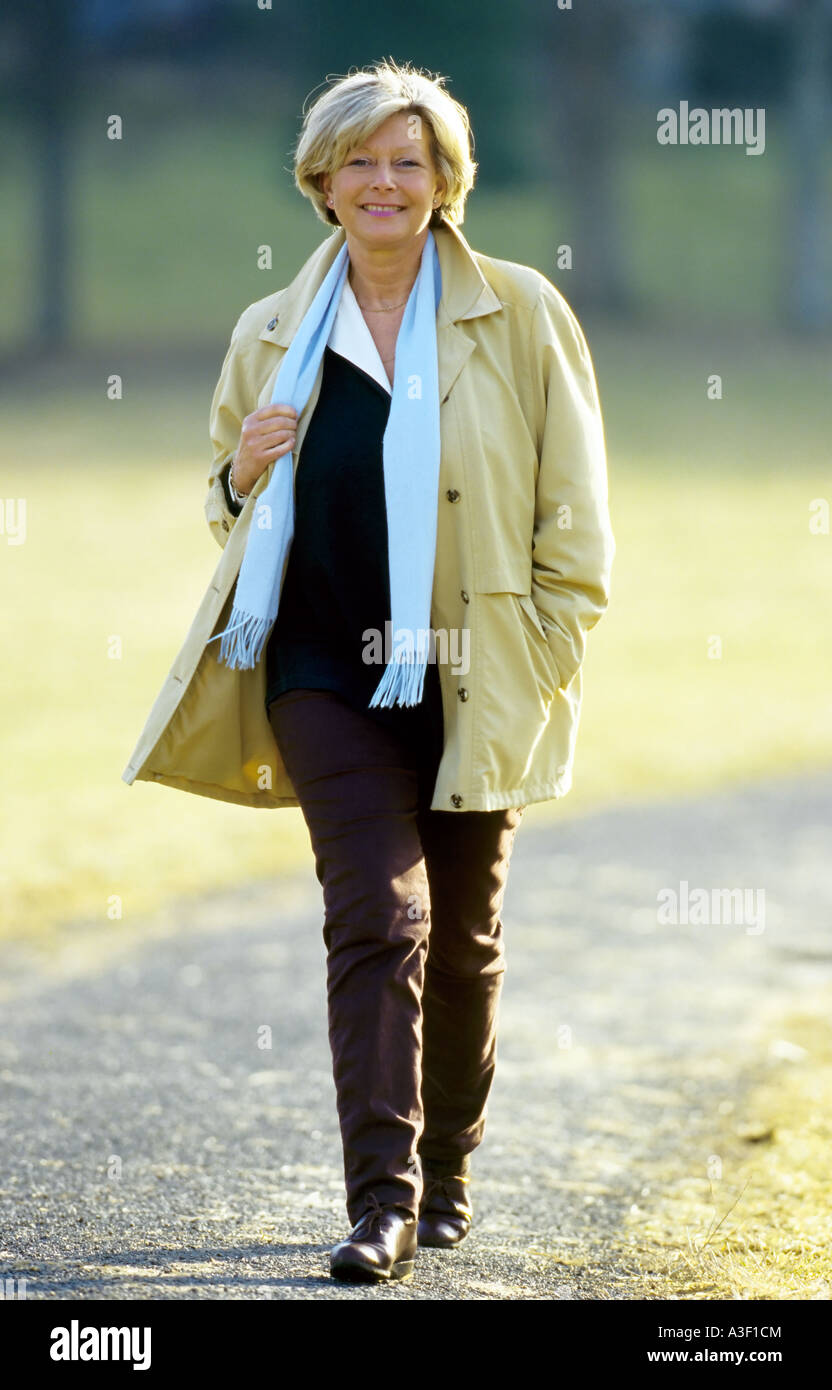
[{"x": 466, "y": 294}]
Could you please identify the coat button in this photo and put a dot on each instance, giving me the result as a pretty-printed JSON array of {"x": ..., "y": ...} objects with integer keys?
[
  {"x": 462, "y": 693},
  {"x": 464, "y": 596},
  {"x": 272, "y": 323},
  {"x": 452, "y": 494},
  {"x": 456, "y": 799},
  {"x": 224, "y": 524}
]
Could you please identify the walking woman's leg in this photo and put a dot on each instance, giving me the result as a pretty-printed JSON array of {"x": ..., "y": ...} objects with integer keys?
[
  {"x": 467, "y": 856},
  {"x": 358, "y": 791}
]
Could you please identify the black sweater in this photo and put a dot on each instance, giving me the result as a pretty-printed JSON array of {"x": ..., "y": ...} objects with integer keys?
[{"x": 337, "y": 580}]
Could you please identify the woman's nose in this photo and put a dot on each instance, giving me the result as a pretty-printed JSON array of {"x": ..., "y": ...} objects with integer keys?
[{"x": 383, "y": 177}]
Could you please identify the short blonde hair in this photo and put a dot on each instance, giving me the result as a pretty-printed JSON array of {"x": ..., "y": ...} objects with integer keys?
[{"x": 358, "y": 103}]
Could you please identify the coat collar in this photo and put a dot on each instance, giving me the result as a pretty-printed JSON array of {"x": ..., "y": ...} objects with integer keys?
[{"x": 466, "y": 294}]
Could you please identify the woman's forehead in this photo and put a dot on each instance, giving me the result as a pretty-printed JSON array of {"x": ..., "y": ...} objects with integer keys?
[{"x": 390, "y": 131}]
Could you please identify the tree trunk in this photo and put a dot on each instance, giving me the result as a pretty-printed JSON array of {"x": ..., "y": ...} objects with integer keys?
[{"x": 806, "y": 273}]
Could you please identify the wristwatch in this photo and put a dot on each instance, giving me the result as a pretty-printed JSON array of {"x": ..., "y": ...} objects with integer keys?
[{"x": 239, "y": 498}]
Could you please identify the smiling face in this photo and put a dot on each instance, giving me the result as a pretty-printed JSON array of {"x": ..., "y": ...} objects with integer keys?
[{"x": 387, "y": 188}]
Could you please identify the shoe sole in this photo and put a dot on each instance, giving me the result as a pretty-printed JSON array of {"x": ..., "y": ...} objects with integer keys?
[
  {"x": 431, "y": 1243},
  {"x": 425, "y": 1237},
  {"x": 400, "y": 1272}
]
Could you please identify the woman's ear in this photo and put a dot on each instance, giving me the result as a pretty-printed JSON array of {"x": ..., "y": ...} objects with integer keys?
[{"x": 325, "y": 185}]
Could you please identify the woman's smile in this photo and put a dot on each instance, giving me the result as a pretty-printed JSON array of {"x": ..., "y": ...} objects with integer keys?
[{"x": 380, "y": 209}]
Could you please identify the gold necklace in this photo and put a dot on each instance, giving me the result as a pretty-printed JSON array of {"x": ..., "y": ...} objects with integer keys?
[{"x": 388, "y": 310}]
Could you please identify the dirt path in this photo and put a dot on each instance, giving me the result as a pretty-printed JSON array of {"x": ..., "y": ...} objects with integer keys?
[{"x": 154, "y": 1150}]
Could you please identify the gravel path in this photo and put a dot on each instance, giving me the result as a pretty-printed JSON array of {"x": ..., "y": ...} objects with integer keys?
[{"x": 153, "y": 1149}]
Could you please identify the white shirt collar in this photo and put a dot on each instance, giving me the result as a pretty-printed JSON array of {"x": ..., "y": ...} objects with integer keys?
[{"x": 351, "y": 338}]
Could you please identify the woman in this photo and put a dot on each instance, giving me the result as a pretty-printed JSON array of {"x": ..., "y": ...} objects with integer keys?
[{"x": 407, "y": 441}]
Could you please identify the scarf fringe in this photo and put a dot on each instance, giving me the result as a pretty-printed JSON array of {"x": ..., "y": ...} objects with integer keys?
[
  {"x": 242, "y": 641},
  {"x": 403, "y": 683}
]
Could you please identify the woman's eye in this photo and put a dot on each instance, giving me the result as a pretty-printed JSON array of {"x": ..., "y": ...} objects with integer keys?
[{"x": 360, "y": 159}]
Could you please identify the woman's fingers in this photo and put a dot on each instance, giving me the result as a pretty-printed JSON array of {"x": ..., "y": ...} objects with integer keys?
[
  {"x": 277, "y": 443},
  {"x": 259, "y": 442},
  {"x": 270, "y": 415},
  {"x": 266, "y": 435},
  {"x": 279, "y": 449},
  {"x": 275, "y": 425},
  {"x": 276, "y": 433},
  {"x": 267, "y": 421}
]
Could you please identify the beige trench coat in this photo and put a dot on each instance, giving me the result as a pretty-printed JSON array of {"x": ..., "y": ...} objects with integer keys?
[{"x": 523, "y": 553}]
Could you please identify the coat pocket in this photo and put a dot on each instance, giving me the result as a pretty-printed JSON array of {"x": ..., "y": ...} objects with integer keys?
[
  {"x": 527, "y": 604},
  {"x": 515, "y": 589}
]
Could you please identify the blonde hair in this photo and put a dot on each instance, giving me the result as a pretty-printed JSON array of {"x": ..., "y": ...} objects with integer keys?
[{"x": 350, "y": 110}]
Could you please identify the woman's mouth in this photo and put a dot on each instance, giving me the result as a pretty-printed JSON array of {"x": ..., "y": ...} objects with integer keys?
[{"x": 381, "y": 209}]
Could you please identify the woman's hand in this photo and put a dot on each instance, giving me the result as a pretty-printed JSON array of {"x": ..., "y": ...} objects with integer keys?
[{"x": 266, "y": 435}]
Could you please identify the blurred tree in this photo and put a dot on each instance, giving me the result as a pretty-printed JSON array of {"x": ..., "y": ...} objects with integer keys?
[
  {"x": 45, "y": 86},
  {"x": 778, "y": 54},
  {"x": 807, "y": 239},
  {"x": 582, "y": 97},
  {"x": 55, "y": 39}
]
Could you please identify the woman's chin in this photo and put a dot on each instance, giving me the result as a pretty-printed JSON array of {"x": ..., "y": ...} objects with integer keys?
[{"x": 382, "y": 231}]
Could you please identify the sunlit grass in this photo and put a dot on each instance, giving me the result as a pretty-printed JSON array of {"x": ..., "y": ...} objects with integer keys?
[{"x": 763, "y": 1230}]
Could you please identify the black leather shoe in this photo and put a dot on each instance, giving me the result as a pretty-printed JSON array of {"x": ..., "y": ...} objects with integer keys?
[
  {"x": 445, "y": 1212},
  {"x": 380, "y": 1247}
]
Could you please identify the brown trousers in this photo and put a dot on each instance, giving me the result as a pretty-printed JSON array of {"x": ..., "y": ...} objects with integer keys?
[{"x": 412, "y": 901}]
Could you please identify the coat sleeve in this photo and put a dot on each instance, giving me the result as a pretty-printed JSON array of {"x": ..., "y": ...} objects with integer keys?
[
  {"x": 229, "y": 408},
  {"x": 573, "y": 545}
]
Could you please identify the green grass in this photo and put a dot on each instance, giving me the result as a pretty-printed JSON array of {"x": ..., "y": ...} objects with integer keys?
[
  {"x": 762, "y": 1230},
  {"x": 710, "y": 509}
]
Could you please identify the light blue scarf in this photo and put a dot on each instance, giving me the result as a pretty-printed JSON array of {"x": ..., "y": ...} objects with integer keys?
[{"x": 411, "y": 481}]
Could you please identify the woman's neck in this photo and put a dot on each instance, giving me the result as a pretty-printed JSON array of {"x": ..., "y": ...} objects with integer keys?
[{"x": 384, "y": 276}]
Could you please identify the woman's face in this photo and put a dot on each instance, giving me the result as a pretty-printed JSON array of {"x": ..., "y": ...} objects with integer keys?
[{"x": 387, "y": 188}]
